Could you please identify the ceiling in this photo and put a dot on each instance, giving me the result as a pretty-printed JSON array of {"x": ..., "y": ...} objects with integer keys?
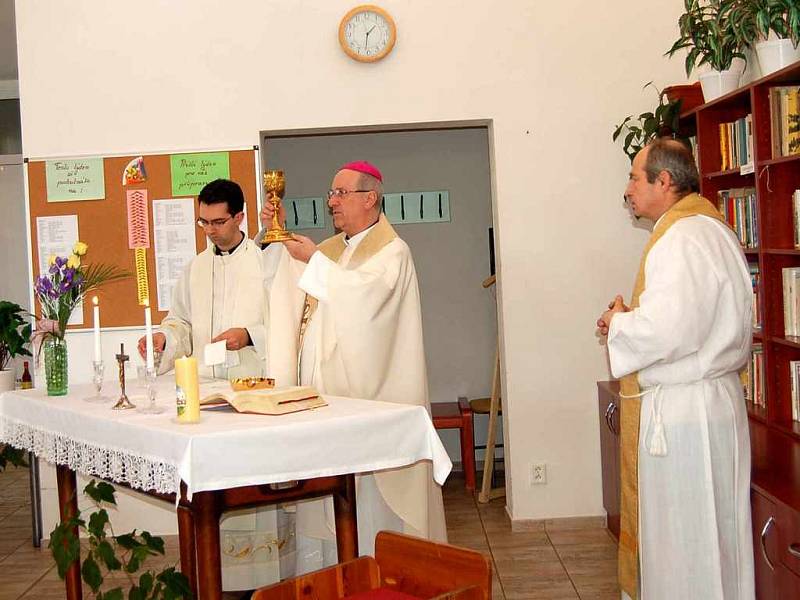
[{"x": 8, "y": 41}]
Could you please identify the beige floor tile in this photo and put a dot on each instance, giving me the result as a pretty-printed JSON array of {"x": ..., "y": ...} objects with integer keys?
[
  {"x": 580, "y": 536},
  {"x": 530, "y": 587},
  {"x": 580, "y": 552}
]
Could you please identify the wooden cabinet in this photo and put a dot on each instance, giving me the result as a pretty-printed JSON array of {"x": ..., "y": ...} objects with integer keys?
[
  {"x": 608, "y": 408},
  {"x": 765, "y": 546}
]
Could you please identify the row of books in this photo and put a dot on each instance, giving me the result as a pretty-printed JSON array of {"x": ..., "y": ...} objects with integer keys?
[
  {"x": 791, "y": 301},
  {"x": 755, "y": 278},
  {"x": 754, "y": 379},
  {"x": 736, "y": 143},
  {"x": 785, "y": 120},
  {"x": 739, "y": 207}
]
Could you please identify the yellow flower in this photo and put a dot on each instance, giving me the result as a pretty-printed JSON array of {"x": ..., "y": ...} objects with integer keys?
[
  {"x": 74, "y": 261},
  {"x": 79, "y": 249},
  {"x": 51, "y": 260}
]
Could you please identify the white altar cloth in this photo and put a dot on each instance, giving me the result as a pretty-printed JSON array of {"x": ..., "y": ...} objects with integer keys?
[{"x": 226, "y": 449}]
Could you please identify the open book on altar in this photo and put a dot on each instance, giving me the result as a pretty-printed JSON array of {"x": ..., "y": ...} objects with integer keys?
[{"x": 274, "y": 401}]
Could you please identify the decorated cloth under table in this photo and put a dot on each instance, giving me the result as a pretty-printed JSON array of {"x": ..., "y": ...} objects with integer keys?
[{"x": 226, "y": 449}]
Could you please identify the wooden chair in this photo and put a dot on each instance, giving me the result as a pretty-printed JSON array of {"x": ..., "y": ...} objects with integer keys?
[
  {"x": 404, "y": 568},
  {"x": 458, "y": 415}
]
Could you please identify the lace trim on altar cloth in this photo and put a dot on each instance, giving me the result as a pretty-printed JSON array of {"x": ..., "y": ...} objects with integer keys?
[{"x": 141, "y": 472}]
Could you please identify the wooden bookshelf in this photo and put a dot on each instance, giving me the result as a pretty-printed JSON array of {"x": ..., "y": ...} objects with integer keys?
[
  {"x": 775, "y": 437},
  {"x": 775, "y": 179}
]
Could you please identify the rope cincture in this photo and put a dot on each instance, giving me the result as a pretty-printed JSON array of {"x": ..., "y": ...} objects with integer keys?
[{"x": 658, "y": 436}]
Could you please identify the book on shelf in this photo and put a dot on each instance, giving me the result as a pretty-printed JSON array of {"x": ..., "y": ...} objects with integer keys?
[
  {"x": 755, "y": 278},
  {"x": 796, "y": 217},
  {"x": 791, "y": 301},
  {"x": 740, "y": 209},
  {"x": 794, "y": 376},
  {"x": 275, "y": 401},
  {"x": 736, "y": 143},
  {"x": 754, "y": 378},
  {"x": 785, "y": 120}
]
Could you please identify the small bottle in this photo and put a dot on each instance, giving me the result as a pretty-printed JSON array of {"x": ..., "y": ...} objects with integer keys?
[{"x": 27, "y": 382}]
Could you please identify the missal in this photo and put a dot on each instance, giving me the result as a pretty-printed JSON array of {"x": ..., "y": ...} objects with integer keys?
[{"x": 267, "y": 401}]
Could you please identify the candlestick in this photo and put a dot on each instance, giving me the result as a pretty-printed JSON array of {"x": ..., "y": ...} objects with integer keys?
[
  {"x": 148, "y": 331},
  {"x": 97, "y": 350},
  {"x": 123, "y": 401},
  {"x": 187, "y": 390}
]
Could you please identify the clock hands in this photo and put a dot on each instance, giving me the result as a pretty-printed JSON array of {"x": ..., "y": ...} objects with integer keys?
[{"x": 366, "y": 39}]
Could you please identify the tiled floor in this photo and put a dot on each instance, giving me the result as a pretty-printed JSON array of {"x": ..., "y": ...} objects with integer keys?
[{"x": 574, "y": 564}]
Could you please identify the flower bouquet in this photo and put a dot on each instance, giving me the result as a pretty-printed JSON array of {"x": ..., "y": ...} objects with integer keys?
[{"x": 59, "y": 290}]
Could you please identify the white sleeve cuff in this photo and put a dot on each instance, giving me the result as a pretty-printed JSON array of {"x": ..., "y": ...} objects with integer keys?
[
  {"x": 258, "y": 336},
  {"x": 314, "y": 280}
]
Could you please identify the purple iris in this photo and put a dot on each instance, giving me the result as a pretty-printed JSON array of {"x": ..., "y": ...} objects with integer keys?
[{"x": 43, "y": 285}]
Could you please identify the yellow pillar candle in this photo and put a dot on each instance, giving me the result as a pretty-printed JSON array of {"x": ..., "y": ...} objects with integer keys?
[{"x": 187, "y": 390}]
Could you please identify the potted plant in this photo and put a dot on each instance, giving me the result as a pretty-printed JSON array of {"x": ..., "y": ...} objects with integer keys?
[
  {"x": 14, "y": 334},
  {"x": 772, "y": 27},
  {"x": 663, "y": 121},
  {"x": 706, "y": 31}
]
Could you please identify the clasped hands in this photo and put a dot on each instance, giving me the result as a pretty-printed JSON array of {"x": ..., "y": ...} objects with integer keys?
[
  {"x": 614, "y": 307},
  {"x": 300, "y": 247}
]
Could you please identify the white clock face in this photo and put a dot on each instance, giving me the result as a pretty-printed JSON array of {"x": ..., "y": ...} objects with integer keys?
[{"x": 367, "y": 34}]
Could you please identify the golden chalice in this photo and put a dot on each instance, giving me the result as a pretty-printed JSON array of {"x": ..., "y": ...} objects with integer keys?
[{"x": 275, "y": 183}]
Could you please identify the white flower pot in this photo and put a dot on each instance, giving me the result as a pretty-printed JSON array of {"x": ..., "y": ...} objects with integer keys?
[
  {"x": 773, "y": 55},
  {"x": 719, "y": 83},
  {"x": 7, "y": 380}
]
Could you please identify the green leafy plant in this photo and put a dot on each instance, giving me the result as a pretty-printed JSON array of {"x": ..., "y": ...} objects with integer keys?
[
  {"x": 663, "y": 121},
  {"x": 14, "y": 332},
  {"x": 707, "y": 32},
  {"x": 753, "y": 20},
  {"x": 13, "y": 456},
  {"x": 114, "y": 553}
]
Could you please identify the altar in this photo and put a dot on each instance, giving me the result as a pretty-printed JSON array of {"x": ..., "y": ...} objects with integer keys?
[{"x": 227, "y": 460}]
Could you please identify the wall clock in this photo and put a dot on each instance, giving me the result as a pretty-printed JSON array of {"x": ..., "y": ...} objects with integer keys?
[{"x": 367, "y": 33}]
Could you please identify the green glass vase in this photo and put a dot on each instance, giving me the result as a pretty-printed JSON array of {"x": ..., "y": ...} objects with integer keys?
[{"x": 55, "y": 366}]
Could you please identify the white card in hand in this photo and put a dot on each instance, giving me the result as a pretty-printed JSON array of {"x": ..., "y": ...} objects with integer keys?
[{"x": 215, "y": 354}]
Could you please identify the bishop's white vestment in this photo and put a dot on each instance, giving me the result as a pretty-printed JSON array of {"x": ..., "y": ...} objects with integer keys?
[
  {"x": 217, "y": 292},
  {"x": 363, "y": 340},
  {"x": 688, "y": 338}
]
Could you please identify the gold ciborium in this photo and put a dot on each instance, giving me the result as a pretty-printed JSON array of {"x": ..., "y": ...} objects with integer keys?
[{"x": 275, "y": 183}]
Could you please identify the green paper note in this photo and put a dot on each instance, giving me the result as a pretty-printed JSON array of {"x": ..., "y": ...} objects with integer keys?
[
  {"x": 75, "y": 179},
  {"x": 190, "y": 172}
]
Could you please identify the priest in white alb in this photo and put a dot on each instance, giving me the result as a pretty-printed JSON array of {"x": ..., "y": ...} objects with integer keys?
[
  {"x": 350, "y": 309},
  {"x": 685, "y": 528},
  {"x": 221, "y": 297}
]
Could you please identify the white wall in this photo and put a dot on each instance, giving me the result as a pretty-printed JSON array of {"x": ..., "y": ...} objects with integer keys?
[{"x": 553, "y": 77}]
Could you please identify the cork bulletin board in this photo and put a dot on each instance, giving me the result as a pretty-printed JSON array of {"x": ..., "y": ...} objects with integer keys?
[{"x": 103, "y": 222}]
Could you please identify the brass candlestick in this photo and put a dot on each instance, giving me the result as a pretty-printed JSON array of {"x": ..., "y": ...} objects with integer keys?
[
  {"x": 123, "y": 402},
  {"x": 275, "y": 183}
]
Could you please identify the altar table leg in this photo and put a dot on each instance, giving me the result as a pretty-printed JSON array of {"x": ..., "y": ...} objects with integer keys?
[
  {"x": 186, "y": 540},
  {"x": 206, "y": 526},
  {"x": 344, "y": 510},
  {"x": 68, "y": 507}
]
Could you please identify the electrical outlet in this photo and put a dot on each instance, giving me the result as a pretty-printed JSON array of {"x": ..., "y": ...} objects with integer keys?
[{"x": 538, "y": 473}]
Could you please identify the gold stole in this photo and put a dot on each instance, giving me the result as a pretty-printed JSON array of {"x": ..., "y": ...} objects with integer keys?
[
  {"x": 380, "y": 235},
  {"x": 688, "y": 206}
]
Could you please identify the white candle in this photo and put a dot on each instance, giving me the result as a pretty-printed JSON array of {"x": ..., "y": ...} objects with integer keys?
[
  {"x": 148, "y": 330},
  {"x": 97, "y": 351}
]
